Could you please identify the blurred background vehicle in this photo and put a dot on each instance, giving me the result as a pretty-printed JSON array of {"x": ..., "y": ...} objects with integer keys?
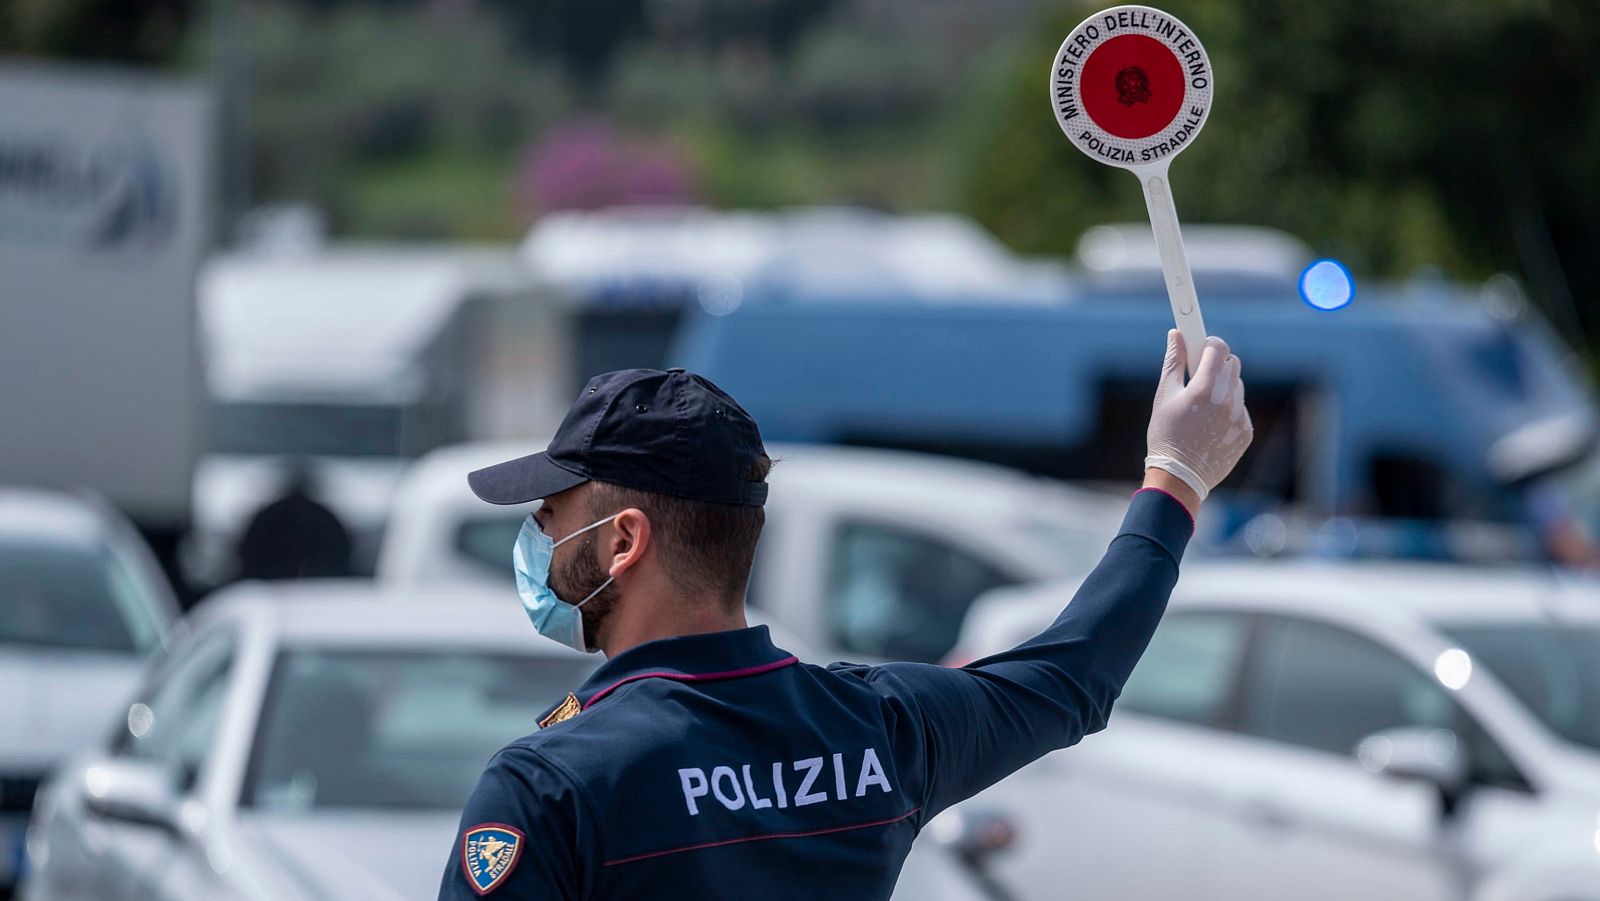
[
  {"x": 634, "y": 273},
  {"x": 317, "y": 739},
  {"x": 1331, "y": 731},
  {"x": 104, "y": 218},
  {"x": 1421, "y": 402},
  {"x": 337, "y": 366},
  {"x": 869, "y": 553},
  {"x": 82, "y": 604}
]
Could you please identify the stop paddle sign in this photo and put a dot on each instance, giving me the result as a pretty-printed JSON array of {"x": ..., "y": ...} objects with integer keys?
[{"x": 1131, "y": 87}]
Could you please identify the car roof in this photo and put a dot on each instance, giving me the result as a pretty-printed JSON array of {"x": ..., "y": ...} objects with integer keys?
[
  {"x": 907, "y": 480},
  {"x": 625, "y": 254},
  {"x": 1428, "y": 591},
  {"x": 38, "y": 515},
  {"x": 362, "y": 613}
]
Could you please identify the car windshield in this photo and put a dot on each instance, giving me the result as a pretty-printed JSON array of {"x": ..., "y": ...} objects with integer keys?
[
  {"x": 81, "y": 596},
  {"x": 407, "y": 729},
  {"x": 1553, "y": 669}
]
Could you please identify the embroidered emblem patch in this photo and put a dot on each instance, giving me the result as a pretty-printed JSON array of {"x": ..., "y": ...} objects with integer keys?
[
  {"x": 568, "y": 709},
  {"x": 488, "y": 853}
]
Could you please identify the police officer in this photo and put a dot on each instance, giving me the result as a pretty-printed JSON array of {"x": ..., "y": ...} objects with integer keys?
[{"x": 701, "y": 761}]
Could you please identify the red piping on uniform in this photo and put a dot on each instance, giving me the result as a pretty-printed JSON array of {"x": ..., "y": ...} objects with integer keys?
[
  {"x": 693, "y": 677},
  {"x": 759, "y": 838},
  {"x": 1174, "y": 500}
]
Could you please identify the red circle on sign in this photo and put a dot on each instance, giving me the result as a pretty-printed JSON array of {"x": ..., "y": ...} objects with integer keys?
[{"x": 1132, "y": 86}]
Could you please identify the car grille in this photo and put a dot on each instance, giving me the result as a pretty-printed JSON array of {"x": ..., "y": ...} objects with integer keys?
[{"x": 16, "y": 793}]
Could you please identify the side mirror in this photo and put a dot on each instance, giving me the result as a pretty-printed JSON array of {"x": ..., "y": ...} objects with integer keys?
[
  {"x": 973, "y": 834},
  {"x": 132, "y": 791},
  {"x": 1434, "y": 756}
]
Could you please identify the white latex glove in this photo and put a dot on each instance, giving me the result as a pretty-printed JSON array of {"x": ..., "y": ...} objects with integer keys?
[{"x": 1200, "y": 430}]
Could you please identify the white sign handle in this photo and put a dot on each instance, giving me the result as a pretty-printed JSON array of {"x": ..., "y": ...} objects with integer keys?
[{"x": 1174, "y": 261}]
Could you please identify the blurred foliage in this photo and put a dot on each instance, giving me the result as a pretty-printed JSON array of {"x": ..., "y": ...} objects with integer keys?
[
  {"x": 354, "y": 101},
  {"x": 851, "y": 111},
  {"x": 588, "y": 35},
  {"x": 584, "y": 35},
  {"x": 397, "y": 121},
  {"x": 1394, "y": 133},
  {"x": 587, "y": 165},
  {"x": 149, "y": 32}
]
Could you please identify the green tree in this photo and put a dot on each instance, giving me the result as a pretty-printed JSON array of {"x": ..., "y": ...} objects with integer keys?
[
  {"x": 150, "y": 32},
  {"x": 400, "y": 121},
  {"x": 1395, "y": 133}
]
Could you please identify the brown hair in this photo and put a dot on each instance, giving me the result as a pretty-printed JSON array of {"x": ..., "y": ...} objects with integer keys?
[{"x": 707, "y": 548}]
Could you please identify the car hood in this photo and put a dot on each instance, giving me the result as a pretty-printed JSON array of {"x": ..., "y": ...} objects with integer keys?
[
  {"x": 368, "y": 855},
  {"x": 58, "y": 702}
]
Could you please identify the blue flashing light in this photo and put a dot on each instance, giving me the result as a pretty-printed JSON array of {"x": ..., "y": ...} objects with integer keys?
[{"x": 1327, "y": 285}]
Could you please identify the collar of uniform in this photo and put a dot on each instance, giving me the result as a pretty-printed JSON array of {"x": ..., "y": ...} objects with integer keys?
[{"x": 709, "y": 657}]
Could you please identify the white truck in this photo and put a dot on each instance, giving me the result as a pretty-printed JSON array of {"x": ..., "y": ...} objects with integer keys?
[
  {"x": 351, "y": 360},
  {"x": 104, "y": 216}
]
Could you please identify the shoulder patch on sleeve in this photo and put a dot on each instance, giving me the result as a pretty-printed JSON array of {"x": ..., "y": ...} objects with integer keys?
[
  {"x": 566, "y": 710},
  {"x": 489, "y": 851}
]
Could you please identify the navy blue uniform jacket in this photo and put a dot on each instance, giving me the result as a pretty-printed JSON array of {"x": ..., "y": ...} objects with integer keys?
[{"x": 719, "y": 767}]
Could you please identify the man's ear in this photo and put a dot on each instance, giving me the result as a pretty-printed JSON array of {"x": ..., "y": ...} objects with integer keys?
[{"x": 631, "y": 538}]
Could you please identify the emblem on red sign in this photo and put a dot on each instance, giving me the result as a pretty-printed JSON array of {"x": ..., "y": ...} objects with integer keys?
[{"x": 1131, "y": 86}]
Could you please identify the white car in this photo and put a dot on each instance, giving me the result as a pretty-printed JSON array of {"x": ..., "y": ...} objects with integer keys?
[
  {"x": 1327, "y": 731},
  {"x": 316, "y": 740},
  {"x": 870, "y": 553},
  {"x": 82, "y": 603}
]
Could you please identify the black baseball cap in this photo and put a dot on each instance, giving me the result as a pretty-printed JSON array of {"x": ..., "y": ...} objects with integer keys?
[{"x": 669, "y": 432}]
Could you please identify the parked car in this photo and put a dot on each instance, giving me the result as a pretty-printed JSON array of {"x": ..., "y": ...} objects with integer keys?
[
  {"x": 1323, "y": 731},
  {"x": 316, "y": 740},
  {"x": 82, "y": 602},
  {"x": 870, "y": 553}
]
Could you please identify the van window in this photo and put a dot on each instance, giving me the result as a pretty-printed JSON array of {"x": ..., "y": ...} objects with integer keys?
[
  {"x": 627, "y": 335},
  {"x": 1409, "y": 486},
  {"x": 902, "y": 595},
  {"x": 1113, "y": 448}
]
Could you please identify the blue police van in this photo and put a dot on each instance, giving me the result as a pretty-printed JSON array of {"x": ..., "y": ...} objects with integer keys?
[{"x": 1422, "y": 400}]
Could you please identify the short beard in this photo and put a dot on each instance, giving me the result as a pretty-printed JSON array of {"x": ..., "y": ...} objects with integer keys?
[{"x": 575, "y": 582}]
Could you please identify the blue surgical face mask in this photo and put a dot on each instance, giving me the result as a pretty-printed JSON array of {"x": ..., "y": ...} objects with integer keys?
[{"x": 551, "y": 616}]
